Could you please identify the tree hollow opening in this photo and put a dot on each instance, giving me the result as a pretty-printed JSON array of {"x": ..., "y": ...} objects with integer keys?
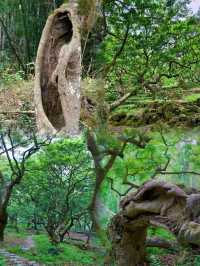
[{"x": 60, "y": 33}]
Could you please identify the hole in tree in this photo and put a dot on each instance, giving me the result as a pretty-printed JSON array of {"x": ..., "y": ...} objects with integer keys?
[{"x": 61, "y": 33}]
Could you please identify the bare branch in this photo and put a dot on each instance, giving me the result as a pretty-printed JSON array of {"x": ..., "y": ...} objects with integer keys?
[
  {"x": 179, "y": 173},
  {"x": 120, "y": 101},
  {"x": 109, "y": 66},
  {"x": 160, "y": 243}
]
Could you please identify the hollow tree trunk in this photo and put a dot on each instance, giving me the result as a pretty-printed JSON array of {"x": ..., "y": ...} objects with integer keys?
[{"x": 57, "y": 73}]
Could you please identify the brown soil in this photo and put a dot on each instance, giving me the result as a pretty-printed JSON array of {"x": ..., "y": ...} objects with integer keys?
[{"x": 12, "y": 98}]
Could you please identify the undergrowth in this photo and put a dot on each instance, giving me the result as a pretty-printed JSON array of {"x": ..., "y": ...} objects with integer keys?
[{"x": 46, "y": 253}]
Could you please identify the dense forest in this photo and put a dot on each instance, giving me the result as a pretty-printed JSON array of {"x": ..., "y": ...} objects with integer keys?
[{"x": 99, "y": 132}]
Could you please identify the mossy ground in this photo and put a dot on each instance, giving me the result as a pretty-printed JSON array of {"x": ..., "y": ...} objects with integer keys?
[{"x": 142, "y": 111}]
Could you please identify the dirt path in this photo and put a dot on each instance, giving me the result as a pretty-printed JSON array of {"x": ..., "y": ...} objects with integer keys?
[
  {"x": 28, "y": 243},
  {"x": 15, "y": 260}
]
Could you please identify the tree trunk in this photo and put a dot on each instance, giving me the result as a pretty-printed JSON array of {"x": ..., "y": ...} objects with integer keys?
[
  {"x": 57, "y": 73},
  {"x": 94, "y": 204},
  {"x": 3, "y": 223},
  {"x": 55, "y": 238},
  {"x": 156, "y": 202},
  {"x": 128, "y": 241}
]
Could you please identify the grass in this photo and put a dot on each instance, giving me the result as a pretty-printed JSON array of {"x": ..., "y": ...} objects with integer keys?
[
  {"x": 192, "y": 97},
  {"x": 160, "y": 232},
  {"x": 2, "y": 261},
  {"x": 45, "y": 253},
  {"x": 154, "y": 254}
]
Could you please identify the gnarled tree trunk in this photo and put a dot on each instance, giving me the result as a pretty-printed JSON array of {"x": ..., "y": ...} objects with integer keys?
[
  {"x": 128, "y": 240},
  {"x": 57, "y": 73},
  {"x": 156, "y": 202}
]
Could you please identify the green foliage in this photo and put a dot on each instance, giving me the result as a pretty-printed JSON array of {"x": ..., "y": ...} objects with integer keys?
[
  {"x": 21, "y": 37},
  {"x": 9, "y": 72},
  {"x": 57, "y": 188},
  {"x": 192, "y": 97},
  {"x": 182, "y": 258},
  {"x": 161, "y": 44},
  {"x": 158, "y": 58},
  {"x": 7, "y": 77},
  {"x": 187, "y": 257},
  {"x": 139, "y": 164}
]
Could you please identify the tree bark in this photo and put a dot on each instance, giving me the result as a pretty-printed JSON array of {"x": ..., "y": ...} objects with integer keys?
[
  {"x": 156, "y": 202},
  {"x": 57, "y": 73},
  {"x": 100, "y": 173},
  {"x": 3, "y": 222},
  {"x": 94, "y": 203},
  {"x": 128, "y": 241}
]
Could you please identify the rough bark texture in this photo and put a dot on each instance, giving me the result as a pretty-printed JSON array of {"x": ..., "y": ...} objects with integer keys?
[
  {"x": 128, "y": 240},
  {"x": 57, "y": 74},
  {"x": 156, "y": 202}
]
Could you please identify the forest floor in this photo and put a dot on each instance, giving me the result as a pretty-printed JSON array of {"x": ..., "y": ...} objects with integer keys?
[
  {"x": 36, "y": 250},
  {"x": 26, "y": 249}
]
